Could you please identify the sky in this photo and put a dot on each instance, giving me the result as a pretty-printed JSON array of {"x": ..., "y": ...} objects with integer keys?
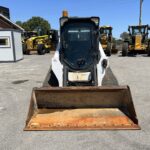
[{"x": 117, "y": 13}]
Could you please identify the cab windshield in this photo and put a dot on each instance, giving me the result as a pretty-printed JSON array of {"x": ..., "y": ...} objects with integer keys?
[
  {"x": 138, "y": 30},
  {"x": 78, "y": 37},
  {"x": 79, "y": 42},
  {"x": 79, "y": 34},
  {"x": 105, "y": 31}
]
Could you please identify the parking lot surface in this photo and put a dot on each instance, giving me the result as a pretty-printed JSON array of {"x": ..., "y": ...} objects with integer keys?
[{"x": 17, "y": 81}]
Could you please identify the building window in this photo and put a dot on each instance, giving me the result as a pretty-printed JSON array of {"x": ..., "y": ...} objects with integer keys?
[{"x": 4, "y": 42}]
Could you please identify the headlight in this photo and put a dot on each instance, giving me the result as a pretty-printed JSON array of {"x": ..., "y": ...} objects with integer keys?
[{"x": 104, "y": 63}]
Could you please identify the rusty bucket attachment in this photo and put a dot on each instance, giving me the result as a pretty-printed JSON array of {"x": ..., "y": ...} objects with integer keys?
[{"x": 81, "y": 108}]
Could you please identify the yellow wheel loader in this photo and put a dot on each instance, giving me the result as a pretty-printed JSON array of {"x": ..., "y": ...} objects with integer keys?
[
  {"x": 41, "y": 44},
  {"x": 74, "y": 98},
  {"x": 137, "y": 42}
]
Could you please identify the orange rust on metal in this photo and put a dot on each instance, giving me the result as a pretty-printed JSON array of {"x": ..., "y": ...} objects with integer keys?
[{"x": 81, "y": 108}]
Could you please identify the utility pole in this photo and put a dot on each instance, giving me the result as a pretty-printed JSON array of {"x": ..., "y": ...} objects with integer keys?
[{"x": 140, "y": 18}]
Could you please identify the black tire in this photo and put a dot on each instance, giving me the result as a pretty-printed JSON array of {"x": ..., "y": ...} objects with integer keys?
[
  {"x": 47, "y": 50},
  {"x": 24, "y": 47},
  {"x": 148, "y": 50},
  {"x": 108, "y": 49},
  {"x": 25, "y": 51},
  {"x": 125, "y": 49},
  {"x": 148, "y": 53},
  {"x": 53, "y": 80},
  {"x": 41, "y": 49},
  {"x": 50, "y": 79},
  {"x": 114, "y": 49},
  {"x": 28, "y": 52}
]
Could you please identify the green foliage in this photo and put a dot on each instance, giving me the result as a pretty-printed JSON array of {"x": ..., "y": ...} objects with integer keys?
[
  {"x": 119, "y": 42},
  {"x": 19, "y": 23},
  {"x": 35, "y": 24},
  {"x": 124, "y": 35},
  {"x": 113, "y": 39}
]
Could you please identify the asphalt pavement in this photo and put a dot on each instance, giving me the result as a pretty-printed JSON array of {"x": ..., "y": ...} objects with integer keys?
[{"x": 17, "y": 81}]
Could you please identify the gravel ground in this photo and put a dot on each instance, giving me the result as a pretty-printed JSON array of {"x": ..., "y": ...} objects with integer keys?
[{"x": 17, "y": 81}]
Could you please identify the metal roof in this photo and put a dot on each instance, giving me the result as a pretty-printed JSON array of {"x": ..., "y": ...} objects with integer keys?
[{"x": 10, "y": 22}]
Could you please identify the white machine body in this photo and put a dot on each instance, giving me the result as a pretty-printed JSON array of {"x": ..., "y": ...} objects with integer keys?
[{"x": 57, "y": 68}]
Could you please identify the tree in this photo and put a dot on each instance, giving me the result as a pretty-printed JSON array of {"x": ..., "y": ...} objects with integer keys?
[
  {"x": 19, "y": 23},
  {"x": 113, "y": 39},
  {"x": 35, "y": 24},
  {"x": 124, "y": 35}
]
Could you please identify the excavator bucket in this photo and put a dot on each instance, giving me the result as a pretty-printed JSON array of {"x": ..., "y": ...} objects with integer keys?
[{"x": 81, "y": 108}]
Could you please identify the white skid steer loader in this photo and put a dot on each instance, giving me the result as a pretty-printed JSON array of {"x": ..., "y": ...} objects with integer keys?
[{"x": 75, "y": 99}]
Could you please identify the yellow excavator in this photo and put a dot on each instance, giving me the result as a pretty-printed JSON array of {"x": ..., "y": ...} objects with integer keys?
[{"x": 74, "y": 98}]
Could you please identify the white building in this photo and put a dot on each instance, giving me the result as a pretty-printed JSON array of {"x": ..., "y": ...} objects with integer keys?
[{"x": 10, "y": 41}]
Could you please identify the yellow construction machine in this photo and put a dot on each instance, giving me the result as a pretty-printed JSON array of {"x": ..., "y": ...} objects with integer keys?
[
  {"x": 106, "y": 40},
  {"x": 53, "y": 34},
  {"x": 41, "y": 44},
  {"x": 138, "y": 41},
  {"x": 74, "y": 98}
]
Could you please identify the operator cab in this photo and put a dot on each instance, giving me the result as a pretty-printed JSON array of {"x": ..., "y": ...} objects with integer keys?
[
  {"x": 143, "y": 29},
  {"x": 105, "y": 34},
  {"x": 106, "y": 30},
  {"x": 79, "y": 52},
  {"x": 138, "y": 30}
]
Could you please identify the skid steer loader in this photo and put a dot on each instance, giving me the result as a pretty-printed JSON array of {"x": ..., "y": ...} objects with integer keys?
[{"x": 74, "y": 98}]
